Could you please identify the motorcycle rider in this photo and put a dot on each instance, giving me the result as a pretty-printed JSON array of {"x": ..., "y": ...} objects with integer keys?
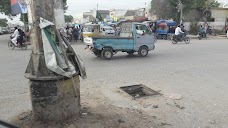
[
  {"x": 18, "y": 36},
  {"x": 14, "y": 36},
  {"x": 202, "y": 31},
  {"x": 179, "y": 33}
]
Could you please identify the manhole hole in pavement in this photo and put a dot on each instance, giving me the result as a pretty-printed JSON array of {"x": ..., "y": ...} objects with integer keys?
[{"x": 138, "y": 91}]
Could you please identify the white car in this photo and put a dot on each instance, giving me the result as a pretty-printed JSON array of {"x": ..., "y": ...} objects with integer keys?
[{"x": 107, "y": 31}]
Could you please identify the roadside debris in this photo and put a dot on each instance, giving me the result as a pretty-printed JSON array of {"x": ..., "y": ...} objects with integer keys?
[
  {"x": 176, "y": 105},
  {"x": 173, "y": 96},
  {"x": 164, "y": 123},
  {"x": 155, "y": 106},
  {"x": 121, "y": 121}
]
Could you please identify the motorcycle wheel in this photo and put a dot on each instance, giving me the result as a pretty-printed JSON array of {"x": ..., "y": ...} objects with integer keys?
[
  {"x": 174, "y": 41},
  {"x": 199, "y": 37},
  {"x": 24, "y": 46},
  {"x": 187, "y": 40},
  {"x": 11, "y": 45}
]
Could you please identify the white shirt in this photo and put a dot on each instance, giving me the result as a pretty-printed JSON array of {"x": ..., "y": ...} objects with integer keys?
[
  {"x": 140, "y": 32},
  {"x": 15, "y": 35},
  {"x": 178, "y": 31}
]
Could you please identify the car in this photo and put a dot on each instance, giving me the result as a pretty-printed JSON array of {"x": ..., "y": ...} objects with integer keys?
[{"x": 5, "y": 31}]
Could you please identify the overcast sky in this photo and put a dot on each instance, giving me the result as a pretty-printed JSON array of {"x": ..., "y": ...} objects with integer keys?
[{"x": 77, "y": 7}]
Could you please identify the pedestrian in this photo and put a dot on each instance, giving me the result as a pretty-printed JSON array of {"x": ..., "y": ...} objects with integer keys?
[{"x": 75, "y": 33}]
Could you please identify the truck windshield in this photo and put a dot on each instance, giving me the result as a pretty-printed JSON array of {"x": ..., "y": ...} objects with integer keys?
[{"x": 145, "y": 29}]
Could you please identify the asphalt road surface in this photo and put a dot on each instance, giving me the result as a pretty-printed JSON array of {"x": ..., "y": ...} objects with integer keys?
[{"x": 197, "y": 71}]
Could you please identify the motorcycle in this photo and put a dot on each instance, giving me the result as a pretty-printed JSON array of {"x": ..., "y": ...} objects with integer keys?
[
  {"x": 23, "y": 45},
  {"x": 202, "y": 35},
  {"x": 185, "y": 38}
]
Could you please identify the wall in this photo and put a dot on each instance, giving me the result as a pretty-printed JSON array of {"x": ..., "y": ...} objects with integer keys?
[
  {"x": 215, "y": 25},
  {"x": 220, "y": 14}
]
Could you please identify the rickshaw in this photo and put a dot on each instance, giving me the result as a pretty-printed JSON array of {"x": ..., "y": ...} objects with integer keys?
[
  {"x": 165, "y": 29},
  {"x": 90, "y": 30}
]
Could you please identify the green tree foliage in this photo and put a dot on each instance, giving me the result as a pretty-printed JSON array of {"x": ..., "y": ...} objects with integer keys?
[
  {"x": 214, "y": 4},
  {"x": 168, "y": 9},
  {"x": 3, "y": 22},
  {"x": 5, "y": 7},
  {"x": 68, "y": 18},
  {"x": 65, "y": 5}
]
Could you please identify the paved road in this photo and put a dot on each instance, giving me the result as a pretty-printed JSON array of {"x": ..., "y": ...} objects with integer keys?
[{"x": 197, "y": 71}]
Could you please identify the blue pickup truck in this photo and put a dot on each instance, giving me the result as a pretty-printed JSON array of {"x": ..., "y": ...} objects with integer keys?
[{"x": 134, "y": 37}]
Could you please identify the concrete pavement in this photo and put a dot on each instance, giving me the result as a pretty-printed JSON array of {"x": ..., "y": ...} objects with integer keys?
[{"x": 197, "y": 71}]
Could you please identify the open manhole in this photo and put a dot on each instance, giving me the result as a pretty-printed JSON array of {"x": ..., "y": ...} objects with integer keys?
[{"x": 138, "y": 91}]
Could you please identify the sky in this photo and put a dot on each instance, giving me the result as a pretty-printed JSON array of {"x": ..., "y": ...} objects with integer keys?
[{"x": 77, "y": 7}]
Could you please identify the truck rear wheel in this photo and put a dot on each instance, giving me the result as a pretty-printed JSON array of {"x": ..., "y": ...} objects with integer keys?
[
  {"x": 143, "y": 51},
  {"x": 107, "y": 53}
]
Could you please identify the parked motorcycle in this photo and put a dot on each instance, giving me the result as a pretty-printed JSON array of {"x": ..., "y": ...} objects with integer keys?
[
  {"x": 185, "y": 38},
  {"x": 23, "y": 45}
]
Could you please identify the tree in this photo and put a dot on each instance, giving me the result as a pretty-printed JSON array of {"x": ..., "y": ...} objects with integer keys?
[
  {"x": 68, "y": 18},
  {"x": 65, "y": 5},
  {"x": 5, "y": 6},
  {"x": 3, "y": 22},
  {"x": 169, "y": 9}
]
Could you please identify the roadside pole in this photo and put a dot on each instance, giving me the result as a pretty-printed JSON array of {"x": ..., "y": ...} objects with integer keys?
[
  {"x": 181, "y": 11},
  {"x": 52, "y": 95}
]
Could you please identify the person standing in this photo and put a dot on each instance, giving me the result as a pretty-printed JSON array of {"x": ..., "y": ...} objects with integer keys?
[{"x": 75, "y": 33}]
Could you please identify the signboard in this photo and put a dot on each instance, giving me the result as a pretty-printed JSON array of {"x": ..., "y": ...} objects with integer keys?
[{"x": 18, "y": 6}]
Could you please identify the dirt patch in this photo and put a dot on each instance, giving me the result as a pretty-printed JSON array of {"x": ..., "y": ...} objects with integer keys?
[{"x": 100, "y": 117}]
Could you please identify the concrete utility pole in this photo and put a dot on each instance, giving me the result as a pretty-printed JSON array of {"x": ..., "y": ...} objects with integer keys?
[
  {"x": 181, "y": 11},
  {"x": 52, "y": 95}
]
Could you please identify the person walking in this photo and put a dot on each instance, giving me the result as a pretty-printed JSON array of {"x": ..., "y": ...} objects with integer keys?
[{"x": 75, "y": 33}]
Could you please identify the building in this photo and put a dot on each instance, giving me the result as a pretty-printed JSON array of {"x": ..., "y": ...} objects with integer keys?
[
  {"x": 135, "y": 14},
  {"x": 116, "y": 14},
  {"x": 88, "y": 16}
]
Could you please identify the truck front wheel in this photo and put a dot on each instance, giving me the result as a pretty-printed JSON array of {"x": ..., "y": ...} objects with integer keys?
[
  {"x": 143, "y": 51},
  {"x": 107, "y": 53},
  {"x": 97, "y": 53}
]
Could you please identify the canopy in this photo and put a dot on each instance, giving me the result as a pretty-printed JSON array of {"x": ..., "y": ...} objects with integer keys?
[{"x": 167, "y": 22}]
